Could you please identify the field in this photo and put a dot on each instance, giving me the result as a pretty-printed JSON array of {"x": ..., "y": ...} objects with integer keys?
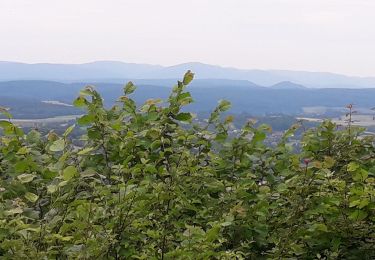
[
  {"x": 359, "y": 120},
  {"x": 45, "y": 121}
]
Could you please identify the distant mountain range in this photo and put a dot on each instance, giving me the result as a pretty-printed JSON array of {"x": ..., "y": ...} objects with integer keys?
[
  {"x": 116, "y": 72},
  {"x": 43, "y": 90},
  {"x": 287, "y": 85}
]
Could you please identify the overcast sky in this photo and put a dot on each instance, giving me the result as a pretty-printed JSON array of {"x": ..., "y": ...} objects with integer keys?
[{"x": 314, "y": 35}]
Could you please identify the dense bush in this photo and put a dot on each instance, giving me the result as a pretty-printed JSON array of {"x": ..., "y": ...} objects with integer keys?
[{"x": 148, "y": 183}]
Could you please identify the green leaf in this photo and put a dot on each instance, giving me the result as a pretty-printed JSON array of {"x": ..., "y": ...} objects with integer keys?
[
  {"x": 85, "y": 151},
  {"x": 48, "y": 174},
  {"x": 224, "y": 105},
  {"x": 188, "y": 77},
  {"x": 23, "y": 150},
  {"x": 80, "y": 102},
  {"x": 150, "y": 169},
  {"x": 360, "y": 175},
  {"x": 13, "y": 211},
  {"x": 88, "y": 91},
  {"x": 129, "y": 88},
  {"x": 352, "y": 167},
  {"x": 320, "y": 227},
  {"x": 86, "y": 119},
  {"x": 69, "y": 172},
  {"x": 26, "y": 178},
  {"x": 185, "y": 98},
  {"x": 5, "y": 124},
  {"x": 213, "y": 233},
  {"x": 51, "y": 188},
  {"x": 264, "y": 189},
  {"x": 360, "y": 203},
  {"x": 4, "y": 111},
  {"x": 68, "y": 130},
  {"x": 258, "y": 137},
  {"x": 183, "y": 117},
  {"x": 329, "y": 162},
  {"x": 297, "y": 249},
  {"x": 21, "y": 166},
  {"x": 264, "y": 127},
  {"x": 33, "y": 136},
  {"x": 31, "y": 197},
  {"x": 62, "y": 238},
  {"x": 358, "y": 215},
  {"x": 144, "y": 161},
  {"x": 156, "y": 144},
  {"x": 88, "y": 173},
  {"x": 57, "y": 146}
]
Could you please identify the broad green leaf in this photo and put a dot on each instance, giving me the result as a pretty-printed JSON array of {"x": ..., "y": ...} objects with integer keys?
[
  {"x": 5, "y": 124},
  {"x": 25, "y": 178},
  {"x": 320, "y": 227},
  {"x": 144, "y": 161},
  {"x": 129, "y": 88},
  {"x": 31, "y": 197},
  {"x": 88, "y": 173},
  {"x": 188, "y": 77},
  {"x": 156, "y": 144},
  {"x": 297, "y": 249},
  {"x": 213, "y": 233},
  {"x": 183, "y": 117},
  {"x": 33, "y": 136},
  {"x": 264, "y": 127},
  {"x": 86, "y": 119},
  {"x": 352, "y": 167},
  {"x": 264, "y": 189},
  {"x": 358, "y": 215},
  {"x": 88, "y": 91},
  {"x": 69, "y": 172},
  {"x": 360, "y": 175},
  {"x": 52, "y": 188},
  {"x": 258, "y": 137},
  {"x": 224, "y": 105},
  {"x": 57, "y": 146},
  {"x": 185, "y": 98},
  {"x": 23, "y": 150},
  {"x": 80, "y": 102}
]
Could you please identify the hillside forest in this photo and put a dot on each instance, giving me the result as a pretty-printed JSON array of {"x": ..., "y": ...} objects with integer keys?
[{"x": 148, "y": 182}]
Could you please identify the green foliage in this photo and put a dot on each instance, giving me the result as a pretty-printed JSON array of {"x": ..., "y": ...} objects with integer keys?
[{"x": 146, "y": 185}]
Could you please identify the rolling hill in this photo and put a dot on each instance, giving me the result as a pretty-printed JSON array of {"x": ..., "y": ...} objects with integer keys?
[
  {"x": 25, "y": 98},
  {"x": 114, "y": 71}
]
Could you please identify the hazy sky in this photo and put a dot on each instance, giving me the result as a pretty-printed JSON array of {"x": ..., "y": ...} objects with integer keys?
[{"x": 315, "y": 35}]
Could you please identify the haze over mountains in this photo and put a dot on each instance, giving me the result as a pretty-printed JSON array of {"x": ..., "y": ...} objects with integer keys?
[
  {"x": 25, "y": 88},
  {"x": 113, "y": 71}
]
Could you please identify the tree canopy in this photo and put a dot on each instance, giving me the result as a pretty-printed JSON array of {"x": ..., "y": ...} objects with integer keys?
[{"x": 149, "y": 182}]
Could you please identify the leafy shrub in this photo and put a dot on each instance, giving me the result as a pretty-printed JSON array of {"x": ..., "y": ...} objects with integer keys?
[{"x": 150, "y": 183}]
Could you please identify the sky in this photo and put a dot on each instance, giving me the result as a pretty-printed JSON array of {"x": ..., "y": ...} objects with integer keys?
[{"x": 312, "y": 35}]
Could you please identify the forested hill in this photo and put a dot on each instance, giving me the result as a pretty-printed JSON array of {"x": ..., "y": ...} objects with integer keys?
[{"x": 245, "y": 96}]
